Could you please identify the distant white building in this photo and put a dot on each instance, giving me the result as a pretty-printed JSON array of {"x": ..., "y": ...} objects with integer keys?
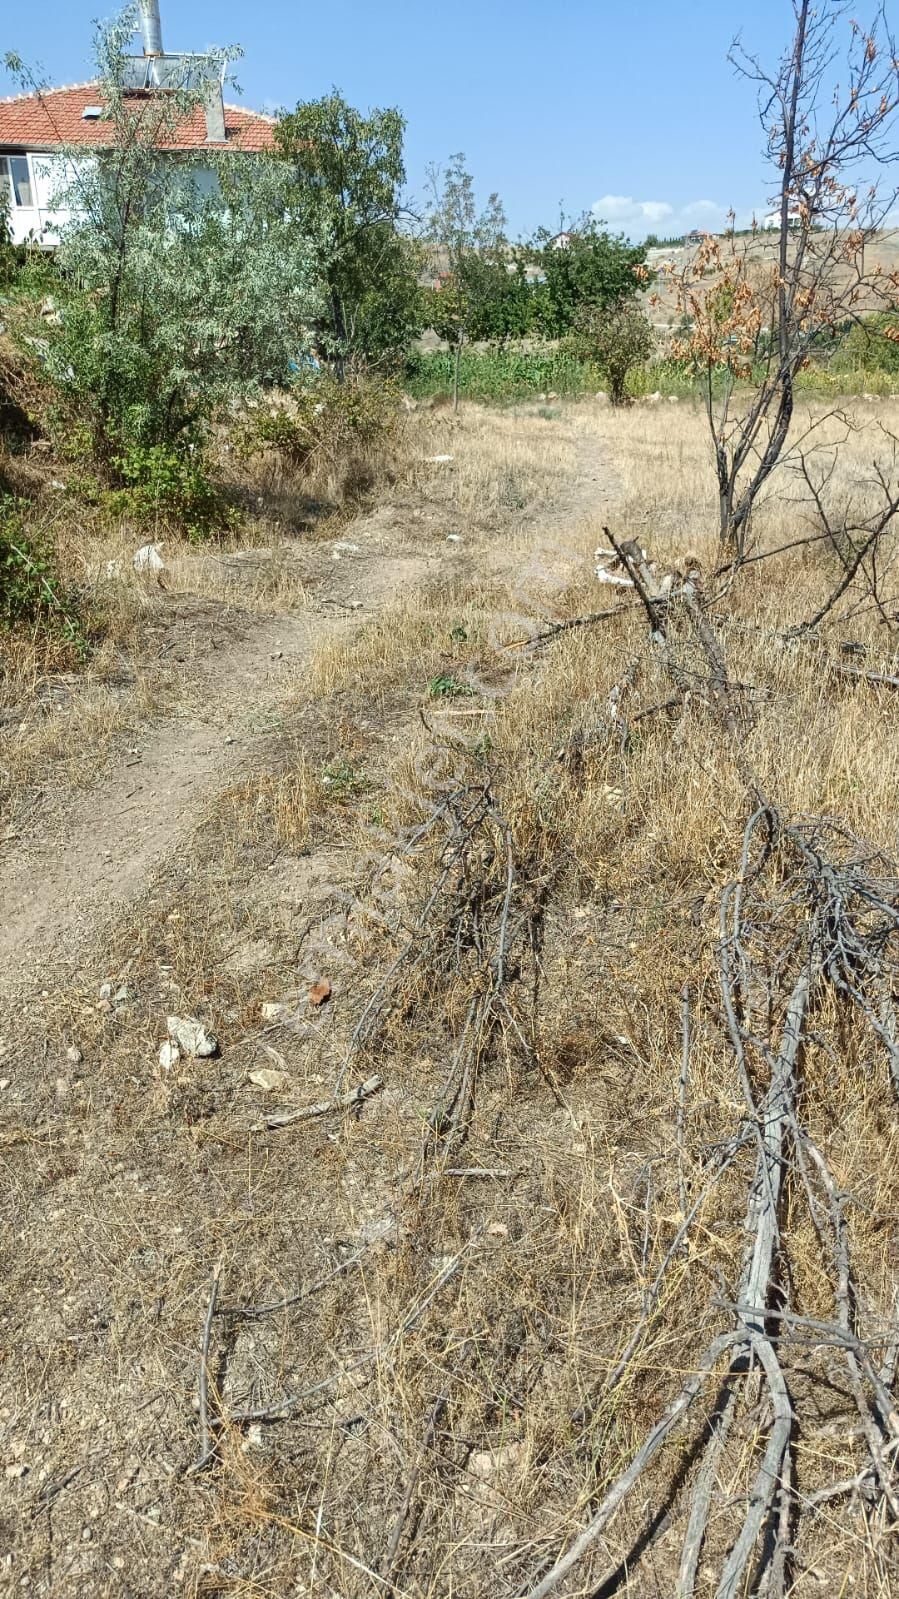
[
  {"x": 43, "y": 133},
  {"x": 772, "y": 221}
]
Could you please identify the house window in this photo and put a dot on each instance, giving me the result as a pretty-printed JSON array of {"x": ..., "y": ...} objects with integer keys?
[{"x": 15, "y": 180}]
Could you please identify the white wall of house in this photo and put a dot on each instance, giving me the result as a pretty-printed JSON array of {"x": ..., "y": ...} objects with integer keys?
[
  {"x": 34, "y": 189},
  {"x": 32, "y": 183}
]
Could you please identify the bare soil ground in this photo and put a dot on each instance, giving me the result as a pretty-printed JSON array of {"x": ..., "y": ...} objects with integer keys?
[
  {"x": 382, "y": 1297},
  {"x": 94, "y": 879}
]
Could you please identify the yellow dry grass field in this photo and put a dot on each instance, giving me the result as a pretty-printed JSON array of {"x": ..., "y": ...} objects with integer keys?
[{"x": 551, "y": 965}]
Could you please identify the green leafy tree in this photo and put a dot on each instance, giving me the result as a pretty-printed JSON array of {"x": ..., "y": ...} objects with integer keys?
[
  {"x": 590, "y": 268},
  {"x": 471, "y": 251},
  {"x": 349, "y": 178},
  {"x": 615, "y": 338},
  {"x": 185, "y": 291},
  {"x": 501, "y": 299}
]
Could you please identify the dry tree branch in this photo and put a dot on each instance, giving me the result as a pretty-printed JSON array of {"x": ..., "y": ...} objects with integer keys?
[{"x": 845, "y": 914}]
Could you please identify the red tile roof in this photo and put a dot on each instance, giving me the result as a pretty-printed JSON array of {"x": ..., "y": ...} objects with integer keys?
[{"x": 55, "y": 118}]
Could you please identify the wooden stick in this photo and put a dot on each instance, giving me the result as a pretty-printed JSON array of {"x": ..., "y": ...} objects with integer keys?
[
  {"x": 323, "y": 1107},
  {"x": 207, "y": 1450},
  {"x": 396, "y": 1534}
]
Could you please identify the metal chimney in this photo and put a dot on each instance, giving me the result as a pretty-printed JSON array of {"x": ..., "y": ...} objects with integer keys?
[
  {"x": 214, "y": 111},
  {"x": 151, "y": 27}
]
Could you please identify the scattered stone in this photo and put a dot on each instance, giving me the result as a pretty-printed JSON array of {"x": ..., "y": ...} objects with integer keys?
[
  {"x": 148, "y": 559},
  {"x": 345, "y": 547},
  {"x": 17, "y": 1469},
  {"x": 438, "y": 460},
  {"x": 454, "y": 538},
  {"x": 4, "y": 1083},
  {"x": 486, "y": 1462},
  {"x": 191, "y": 1036},
  {"x": 74, "y": 1055},
  {"x": 271, "y": 1010},
  {"x": 169, "y": 1055},
  {"x": 105, "y": 991},
  {"x": 267, "y": 1079},
  {"x": 381, "y": 1230}
]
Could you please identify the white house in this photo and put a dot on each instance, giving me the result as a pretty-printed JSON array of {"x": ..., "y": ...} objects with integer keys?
[{"x": 43, "y": 133}]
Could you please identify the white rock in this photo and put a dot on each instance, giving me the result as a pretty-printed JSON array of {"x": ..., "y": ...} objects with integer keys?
[
  {"x": 271, "y": 1010},
  {"x": 438, "y": 460},
  {"x": 345, "y": 547},
  {"x": 74, "y": 1055},
  {"x": 191, "y": 1036},
  {"x": 148, "y": 558},
  {"x": 105, "y": 991},
  {"x": 267, "y": 1079},
  {"x": 169, "y": 1055},
  {"x": 487, "y": 1461},
  {"x": 113, "y": 569},
  {"x": 454, "y": 538}
]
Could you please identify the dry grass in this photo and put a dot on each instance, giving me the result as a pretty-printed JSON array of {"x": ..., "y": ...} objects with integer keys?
[{"x": 460, "y": 1331}]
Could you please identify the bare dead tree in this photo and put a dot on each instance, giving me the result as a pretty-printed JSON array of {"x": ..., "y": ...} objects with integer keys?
[{"x": 754, "y": 318}]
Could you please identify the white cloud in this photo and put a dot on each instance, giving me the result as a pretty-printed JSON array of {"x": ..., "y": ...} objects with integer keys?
[{"x": 639, "y": 217}]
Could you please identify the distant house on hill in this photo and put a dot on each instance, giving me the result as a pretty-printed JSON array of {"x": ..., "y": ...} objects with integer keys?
[
  {"x": 43, "y": 133},
  {"x": 772, "y": 221}
]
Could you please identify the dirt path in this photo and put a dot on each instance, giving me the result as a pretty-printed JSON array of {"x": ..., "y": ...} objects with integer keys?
[
  {"x": 126, "y": 1181},
  {"x": 68, "y": 883},
  {"x": 64, "y": 886}
]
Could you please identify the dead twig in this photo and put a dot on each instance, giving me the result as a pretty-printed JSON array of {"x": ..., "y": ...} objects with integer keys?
[
  {"x": 207, "y": 1448},
  {"x": 322, "y": 1107}
]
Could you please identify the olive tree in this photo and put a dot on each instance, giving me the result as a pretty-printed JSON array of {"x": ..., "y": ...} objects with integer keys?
[{"x": 185, "y": 283}]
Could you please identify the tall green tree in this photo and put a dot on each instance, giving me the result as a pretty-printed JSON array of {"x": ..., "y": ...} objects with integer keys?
[
  {"x": 584, "y": 266},
  {"x": 348, "y": 191},
  {"x": 471, "y": 252}
]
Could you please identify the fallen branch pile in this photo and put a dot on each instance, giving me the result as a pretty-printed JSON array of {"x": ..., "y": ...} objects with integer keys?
[{"x": 811, "y": 919}]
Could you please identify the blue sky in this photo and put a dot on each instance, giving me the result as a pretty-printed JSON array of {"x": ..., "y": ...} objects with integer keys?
[{"x": 630, "y": 108}]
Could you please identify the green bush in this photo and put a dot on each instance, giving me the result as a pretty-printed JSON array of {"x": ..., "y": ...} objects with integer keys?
[
  {"x": 501, "y": 376},
  {"x": 615, "y": 339},
  {"x": 869, "y": 346},
  {"x": 169, "y": 482},
  {"x": 322, "y": 422},
  {"x": 32, "y": 594}
]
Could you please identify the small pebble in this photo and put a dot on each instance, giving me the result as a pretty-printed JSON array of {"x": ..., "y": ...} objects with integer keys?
[{"x": 74, "y": 1055}]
